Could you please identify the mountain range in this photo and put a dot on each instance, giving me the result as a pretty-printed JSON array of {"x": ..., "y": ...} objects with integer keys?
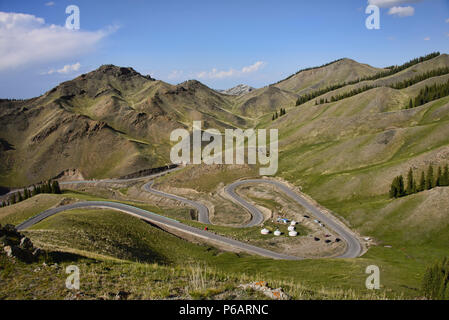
[{"x": 114, "y": 121}]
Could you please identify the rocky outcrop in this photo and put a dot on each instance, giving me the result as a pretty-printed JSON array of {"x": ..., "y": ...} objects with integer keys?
[
  {"x": 147, "y": 172},
  {"x": 238, "y": 90},
  {"x": 17, "y": 246},
  {"x": 262, "y": 286}
]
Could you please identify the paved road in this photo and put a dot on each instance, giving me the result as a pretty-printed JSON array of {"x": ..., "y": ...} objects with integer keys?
[
  {"x": 256, "y": 216},
  {"x": 353, "y": 248},
  {"x": 203, "y": 212},
  {"x": 153, "y": 176},
  {"x": 158, "y": 220}
]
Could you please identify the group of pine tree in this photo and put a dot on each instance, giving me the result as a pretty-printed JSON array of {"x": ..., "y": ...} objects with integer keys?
[
  {"x": 400, "y": 188},
  {"x": 429, "y": 93},
  {"x": 48, "y": 187},
  {"x": 435, "y": 283},
  {"x": 276, "y": 115},
  {"x": 390, "y": 71}
]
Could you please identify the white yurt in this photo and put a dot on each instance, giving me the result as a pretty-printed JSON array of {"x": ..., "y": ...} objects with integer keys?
[
  {"x": 277, "y": 233},
  {"x": 265, "y": 231},
  {"x": 293, "y": 223},
  {"x": 293, "y": 233},
  {"x": 291, "y": 228}
]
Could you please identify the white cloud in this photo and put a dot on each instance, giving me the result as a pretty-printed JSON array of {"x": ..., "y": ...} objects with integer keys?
[
  {"x": 50, "y": 4},
  {"x": 426, "y": 38},
  {"x": 402, "y": 11},
  {"x": 216, "y": 74},
  {"x": 447, "y": 20},
  {"x": 390, "y": 3},
  {"x": 254, "y": 67},
  {"x": 66, "y": 69},
  {"x": 27, "y": 40},
  {"x": 175, "y": 74}
]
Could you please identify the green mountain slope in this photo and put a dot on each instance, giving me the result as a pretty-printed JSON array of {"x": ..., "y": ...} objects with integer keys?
[
  {"x": 109, "y": 122},
  {"x": 342, "y": 70}
]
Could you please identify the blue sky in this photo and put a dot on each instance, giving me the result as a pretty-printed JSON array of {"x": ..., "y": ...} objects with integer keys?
[{"x": 220, "y": 43}]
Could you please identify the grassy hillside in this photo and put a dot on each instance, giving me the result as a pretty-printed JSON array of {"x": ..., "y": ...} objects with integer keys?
[
  {"x": 113, "y": 121},
  {"x": 343, "y": 70},
  {"x": 264, "y": 100},
  {"x": 337, "y": 152},
  {"x": 441, "y": 61},
  {"x": 344, "y": 154},
  {"x": 107, "y": 123},
  {"x": 118, "y": 252}
]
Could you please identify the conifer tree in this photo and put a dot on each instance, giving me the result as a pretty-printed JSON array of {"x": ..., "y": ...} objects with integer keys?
[
  {"x": 436, "y": 281},
  {"x": 34, "y": 191},
  {"x": 397, "y": 187},
  {"x": 410, "y": 182},
  {"x": 401, "y": 186},
  {"x": 55, "y": 187},
  {"x": 430, "y": 180},
  {"x": 422, "y": 182},
  {"x": 438, "y": 181},
  {"x": 13, "y": 198},
  {"x": 394, "y": 188}
]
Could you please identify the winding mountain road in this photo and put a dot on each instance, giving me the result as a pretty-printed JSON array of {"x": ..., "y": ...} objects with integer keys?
[
  {"x": 161, "y": 221},
  {"x": 353, "y": 246},
  {"x": 203, "y": 212}
]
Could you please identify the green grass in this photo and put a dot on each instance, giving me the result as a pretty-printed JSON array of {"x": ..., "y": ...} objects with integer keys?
[
  {"x": 115, "y": 234},
  {"x": 252, "y": 235},
  {"x": 110, "y": 234},
  {"x": 104, "y": 278},
  {"x": 192, "y": 176},
  {"x": 103, "y": 233},
  {"x": 19, "y": 212}
]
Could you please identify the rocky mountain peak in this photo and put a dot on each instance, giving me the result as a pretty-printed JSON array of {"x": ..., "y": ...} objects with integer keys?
[{"x": 238, "y": 90}]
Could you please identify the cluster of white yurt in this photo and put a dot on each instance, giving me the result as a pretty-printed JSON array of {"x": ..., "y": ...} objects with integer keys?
[
  {"x": 291, "y": 229},
  {"x": 277, "y": 232}
]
